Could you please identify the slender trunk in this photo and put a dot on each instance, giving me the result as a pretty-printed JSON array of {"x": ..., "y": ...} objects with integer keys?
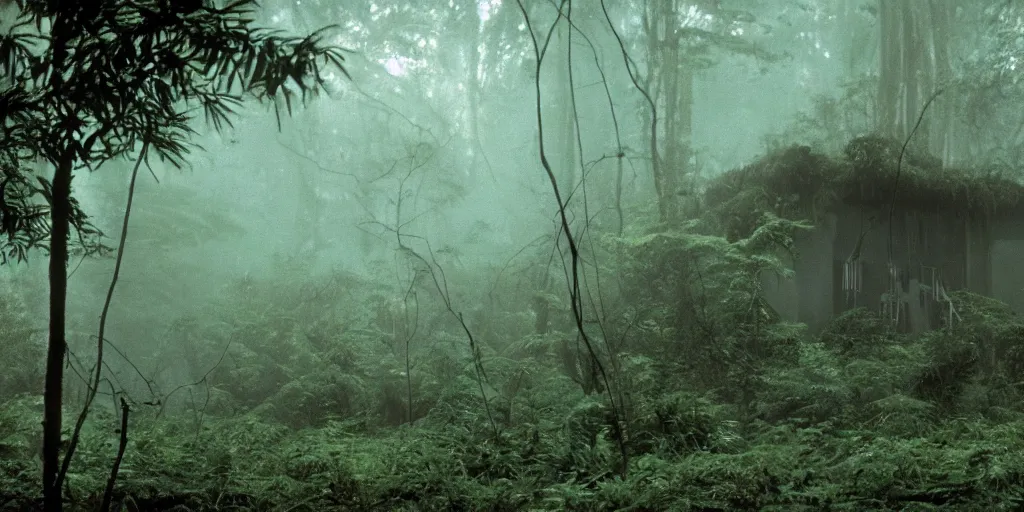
[
  {"x": 618, "y": 193},
  {"x": 651, "y": 84},
  {"x": 60, "y": 214},
  {"x": 408, "y": 378},
  {"x": 473, "y": 96},
  {"x": 671, "y": 79},
  {"x": 566, "y": 142}
]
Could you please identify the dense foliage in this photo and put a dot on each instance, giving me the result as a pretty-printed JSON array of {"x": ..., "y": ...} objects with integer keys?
[{"x": 299, "y": 397}]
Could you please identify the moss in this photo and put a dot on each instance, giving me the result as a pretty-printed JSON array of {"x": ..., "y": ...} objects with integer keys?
[{"x": 798, "y": 183}]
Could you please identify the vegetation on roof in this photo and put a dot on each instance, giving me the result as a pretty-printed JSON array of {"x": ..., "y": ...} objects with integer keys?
[{"x": 798, "y": 182}]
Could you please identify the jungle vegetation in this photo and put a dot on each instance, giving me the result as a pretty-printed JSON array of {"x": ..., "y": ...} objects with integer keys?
[{"x": 483, "y": 255}]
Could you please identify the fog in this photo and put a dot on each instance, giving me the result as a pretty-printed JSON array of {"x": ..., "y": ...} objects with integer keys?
[
  {"x": 402, "y": 144},
  {"x": 499, "y": 216}
]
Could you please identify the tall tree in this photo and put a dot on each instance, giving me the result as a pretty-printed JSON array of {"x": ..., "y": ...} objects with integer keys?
[
  {"x": 87, "y": 82},
  {"x": 678, "y": 39},
  {"x": 913, "y": 66},
  {"x": 563, "y": 132}
]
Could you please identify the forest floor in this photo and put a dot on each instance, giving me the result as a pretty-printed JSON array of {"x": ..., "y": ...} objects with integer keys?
[{"x": 905, "y": 462}]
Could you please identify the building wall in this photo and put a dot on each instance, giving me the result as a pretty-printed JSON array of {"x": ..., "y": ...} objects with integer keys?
[
  {"x": 1008, "y": 282},
  {"x": 807, "y": 295},
  {"x": 928, "y": 248},
  {"x": 978, "y": 264},
  {"x": 782, "y": 294},
  {"x": 815, "y": 274},
  {"x": 1006, "y": 259}
]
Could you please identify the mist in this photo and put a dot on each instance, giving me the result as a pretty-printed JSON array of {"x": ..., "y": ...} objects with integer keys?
[{"x": 556, "y": 250}]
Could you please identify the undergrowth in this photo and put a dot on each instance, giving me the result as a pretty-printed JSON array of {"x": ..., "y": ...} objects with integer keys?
[{"x": 295, "y": 393}]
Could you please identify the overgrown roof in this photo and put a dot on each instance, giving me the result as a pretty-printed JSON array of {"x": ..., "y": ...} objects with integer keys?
[{"x": 796, "y": 183}]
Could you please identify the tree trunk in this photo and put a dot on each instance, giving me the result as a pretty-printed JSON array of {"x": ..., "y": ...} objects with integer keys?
[
  {"x": 565, "y": 141},
  {"x": 60, "y": 214},
  {"x": 473, "y": 97},
  {"x": 670, "y": 79},
  {"x": 60, "y": 219},
  {"x": 913, "y": 64}
]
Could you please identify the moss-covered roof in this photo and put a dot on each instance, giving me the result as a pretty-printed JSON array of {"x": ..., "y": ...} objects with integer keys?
[{"x": 798, "y": 183}]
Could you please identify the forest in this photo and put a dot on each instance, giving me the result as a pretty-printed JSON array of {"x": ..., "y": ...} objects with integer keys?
[{"x": 504, "y": 255}]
